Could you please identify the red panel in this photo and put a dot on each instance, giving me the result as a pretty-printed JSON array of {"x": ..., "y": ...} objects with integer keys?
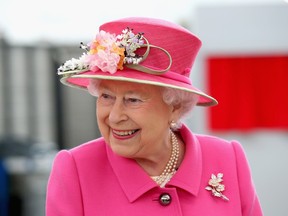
[{"x": 252, "y": 92}]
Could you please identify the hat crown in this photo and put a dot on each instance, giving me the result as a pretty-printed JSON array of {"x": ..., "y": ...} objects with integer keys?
[{"x": 182, "y": 45}]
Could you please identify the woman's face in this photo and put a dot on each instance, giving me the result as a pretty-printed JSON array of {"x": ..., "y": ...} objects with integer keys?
[{"x": 133, "y": 118}]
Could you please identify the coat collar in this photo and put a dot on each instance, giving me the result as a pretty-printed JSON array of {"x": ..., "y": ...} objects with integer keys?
[
  {"x": 135, "y": 181},
  {"x": 188, "y": 176}
]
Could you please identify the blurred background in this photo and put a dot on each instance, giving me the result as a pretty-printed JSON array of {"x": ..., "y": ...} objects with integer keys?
[{"x": 243, "y": 63}]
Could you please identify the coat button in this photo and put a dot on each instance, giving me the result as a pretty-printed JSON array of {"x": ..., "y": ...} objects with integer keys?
[{"x": 165, "y": 199}]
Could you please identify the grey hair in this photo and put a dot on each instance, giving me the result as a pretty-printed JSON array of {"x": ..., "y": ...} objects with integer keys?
[
  {"x": 186, "y": 101},
  {"x": 93, "y": 87}
]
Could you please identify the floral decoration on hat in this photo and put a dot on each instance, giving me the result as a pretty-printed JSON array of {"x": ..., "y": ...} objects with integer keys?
[
  {"x": 110, "y": 52},
  {"x": 216, "y": 187},
  {"x": 107, "y": 52}
]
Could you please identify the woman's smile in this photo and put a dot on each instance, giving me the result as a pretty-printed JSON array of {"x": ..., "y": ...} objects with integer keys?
[{"x": 124, "y": 134}]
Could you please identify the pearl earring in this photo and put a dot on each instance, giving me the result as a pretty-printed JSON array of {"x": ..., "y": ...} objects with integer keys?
[{"x": 173, "y": 125}]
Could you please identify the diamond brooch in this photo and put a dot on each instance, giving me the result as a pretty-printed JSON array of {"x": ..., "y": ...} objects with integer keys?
[{"x": 216, "y": 187}]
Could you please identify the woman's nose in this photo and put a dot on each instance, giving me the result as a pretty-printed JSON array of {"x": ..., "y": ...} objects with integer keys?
[{"x": 118, "y": 112}]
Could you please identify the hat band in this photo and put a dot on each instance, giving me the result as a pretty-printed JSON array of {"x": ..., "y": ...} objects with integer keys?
[{"x": 177, "y": 77}]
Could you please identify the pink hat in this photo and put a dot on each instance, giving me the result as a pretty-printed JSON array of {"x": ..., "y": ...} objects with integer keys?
[{"x": 141, "y": 50}]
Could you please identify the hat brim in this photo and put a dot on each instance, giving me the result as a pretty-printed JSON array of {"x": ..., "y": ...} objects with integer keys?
[{"x": 81, "y": 81}]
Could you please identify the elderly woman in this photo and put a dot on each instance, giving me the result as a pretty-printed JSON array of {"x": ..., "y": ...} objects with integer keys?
[{"x": 146, "y": 162}]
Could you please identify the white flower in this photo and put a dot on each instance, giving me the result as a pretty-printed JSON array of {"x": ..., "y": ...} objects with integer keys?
[{"x": 74, "y": 64}]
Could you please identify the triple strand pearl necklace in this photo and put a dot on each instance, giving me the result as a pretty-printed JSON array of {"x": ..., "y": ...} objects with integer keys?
[{"x": 171, "y": 166}]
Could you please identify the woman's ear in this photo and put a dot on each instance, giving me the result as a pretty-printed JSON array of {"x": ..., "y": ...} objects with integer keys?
[{"x": 176, "y": 112}]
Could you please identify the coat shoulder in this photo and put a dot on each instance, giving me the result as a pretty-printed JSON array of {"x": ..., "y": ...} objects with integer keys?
[
  {"x": 94, "y": 149},
  {"x": 207, "y": 141},
  {"x": 217, "y": 148}
]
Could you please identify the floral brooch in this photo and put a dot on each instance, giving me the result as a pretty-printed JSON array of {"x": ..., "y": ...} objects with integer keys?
[{"x": 216, "y": 187}]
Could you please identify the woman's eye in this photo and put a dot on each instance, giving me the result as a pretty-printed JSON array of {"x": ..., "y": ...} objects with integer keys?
[
  {"x": 106, "y": 98},
  {"x": 134, "y": 100}
]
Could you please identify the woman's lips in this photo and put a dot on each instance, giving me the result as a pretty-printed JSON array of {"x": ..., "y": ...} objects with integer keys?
[{"x": 124, "y": 134}]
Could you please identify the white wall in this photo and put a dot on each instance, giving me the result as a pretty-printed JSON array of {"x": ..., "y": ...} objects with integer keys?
[{"x": 256, "y": 29}]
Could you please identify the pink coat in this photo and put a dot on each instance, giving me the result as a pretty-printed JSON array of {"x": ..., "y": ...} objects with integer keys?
[{"x": 91, "y": 180}]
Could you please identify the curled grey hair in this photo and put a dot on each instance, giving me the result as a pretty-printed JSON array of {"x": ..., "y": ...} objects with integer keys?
[
  {"x": 93, "y": 87},
  {"x": 185, "y": 100}
]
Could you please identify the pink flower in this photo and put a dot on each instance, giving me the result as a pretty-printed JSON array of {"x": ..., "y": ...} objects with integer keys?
[
  {"x": 103, "y": 40},
  {"x": 107, "y": 62},
  {"x": 103, "y": 54}
]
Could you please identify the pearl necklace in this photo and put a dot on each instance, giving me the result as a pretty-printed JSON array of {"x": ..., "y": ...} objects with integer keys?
[{"x": 170, "y": 168}]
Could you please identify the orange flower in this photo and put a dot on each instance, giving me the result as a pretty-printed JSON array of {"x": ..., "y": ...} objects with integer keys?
[
  {"x": 119, "y": 51},
  {"x": 121, "y": 62}
]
